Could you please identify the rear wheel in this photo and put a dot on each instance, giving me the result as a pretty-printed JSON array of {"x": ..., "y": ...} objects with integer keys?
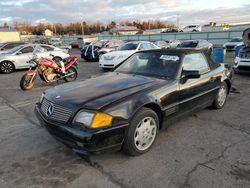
[
  {"x": 142, "y": 132},
  {"x": 73, "y": 76},
  {"x": 26, "y": 83},
  {"x": 7, "y": 67},
  {"x": 221, "y": 96}
]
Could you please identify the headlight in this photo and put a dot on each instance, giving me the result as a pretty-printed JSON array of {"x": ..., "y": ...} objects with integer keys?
[
  {"x": 41, "y": 98},
  {"x": 93, "y": 120},
  {"x": 122, "y": 57}
]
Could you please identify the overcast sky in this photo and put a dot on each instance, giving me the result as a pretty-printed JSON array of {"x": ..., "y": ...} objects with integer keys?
[{"x": 66, "y": 11}]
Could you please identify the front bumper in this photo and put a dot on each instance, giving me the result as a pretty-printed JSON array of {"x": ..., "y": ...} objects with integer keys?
[
  {"x": 84, "y": 141},
  {"x": 241, "y": 64},
  {"x": 107, "y": 64}
]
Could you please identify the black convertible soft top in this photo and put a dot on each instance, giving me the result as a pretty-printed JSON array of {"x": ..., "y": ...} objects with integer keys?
[{"x": 180, "y": 52}]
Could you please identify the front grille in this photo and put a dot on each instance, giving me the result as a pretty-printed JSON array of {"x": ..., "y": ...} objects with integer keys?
[
  {"x": 245, "y": 55},
  {"x": 108, "y": 65},
  {"x": 60, "y": 113},
  {"x": 230, "y": 47}
]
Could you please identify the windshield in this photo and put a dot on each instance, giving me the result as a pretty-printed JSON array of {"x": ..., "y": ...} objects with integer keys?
[
  {"x": 13, "y": 50},
  {"x": 156, "y": 64},
  {"x": 236, "y": 40},
  {"x": 2, "y": 44},
  {"x": 189, "y": 44},
  {"x": 128, "y": 46}
]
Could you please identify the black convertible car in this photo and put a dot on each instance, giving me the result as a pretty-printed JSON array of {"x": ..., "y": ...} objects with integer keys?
[{"x": 127, "y": 108}]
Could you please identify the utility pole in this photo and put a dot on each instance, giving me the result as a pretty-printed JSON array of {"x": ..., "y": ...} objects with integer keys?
[
  {"x": 178, "y": 21},
  {"x": 82, "y": 29}
]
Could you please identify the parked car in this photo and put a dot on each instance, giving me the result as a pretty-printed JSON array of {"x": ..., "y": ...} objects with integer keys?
[
  {"x": 173, "y": 43},
  {"x": 127, "y": 108},
  {"x": 90, "y": 52},
  {"x": 110, "y": 46},
  {"x": 171, "y": 30},
  {"x": 113, "y": 59},
  {"x": 17, "y": 57},
  {"x": 9, "y": 45},
  {"x": 200, "y": 44},
  {"x": 230, "y": 45},
  {"x": 74, "y": 44},
  {"x": 162, "y": 44},
  {"x": 192, "y": 28},
  {"x": 242, "y": 62}
]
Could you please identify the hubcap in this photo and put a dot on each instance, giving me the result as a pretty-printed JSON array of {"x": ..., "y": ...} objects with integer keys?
[
  {"x": 6, "y": 67},
  {"x": 145, "y": 133},
  {"x": 222, "y": 95}
]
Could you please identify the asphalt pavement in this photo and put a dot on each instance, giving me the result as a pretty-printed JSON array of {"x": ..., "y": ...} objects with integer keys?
[{"x": 207, "y": 149}]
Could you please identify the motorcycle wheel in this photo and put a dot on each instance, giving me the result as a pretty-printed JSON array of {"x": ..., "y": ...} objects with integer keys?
[
  {"x": 71, "y": 77},
  {"x": 25, "y": 83}
]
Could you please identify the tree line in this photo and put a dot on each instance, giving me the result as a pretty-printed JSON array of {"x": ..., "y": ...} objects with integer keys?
[{"x": 79, "y": 28}]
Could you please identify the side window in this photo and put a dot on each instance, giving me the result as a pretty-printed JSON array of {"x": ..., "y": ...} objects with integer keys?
[
  {"x": 28, "y": 49},
  {"x": 153, "y": 46},
  {"x": 9, "y": 46},
  {"x": 195, "y": 62},
  {"x": 143, "y": 46},
  {"x": 48, "y": 48}
]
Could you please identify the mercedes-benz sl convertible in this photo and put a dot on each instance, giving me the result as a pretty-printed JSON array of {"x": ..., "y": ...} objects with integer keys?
[{"x": 127, "y": 108}]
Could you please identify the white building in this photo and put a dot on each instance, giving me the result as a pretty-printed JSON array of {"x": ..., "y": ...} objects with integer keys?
[{"x": 48, "y": 33}]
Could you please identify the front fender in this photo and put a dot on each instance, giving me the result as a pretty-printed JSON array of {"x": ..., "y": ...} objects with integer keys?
[
  {"x": 126, "y": 109},
  {"x": 30, "y": 73}
]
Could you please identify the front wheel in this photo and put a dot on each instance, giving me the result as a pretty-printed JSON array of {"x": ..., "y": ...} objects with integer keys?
[
  {"x": 221, "y": 96},
  {"x": 142, "y": 132},
  {"x": 7, "y": 67},
  {"x": 73, "y": 76},
  {"x": 27, "y": 83}
]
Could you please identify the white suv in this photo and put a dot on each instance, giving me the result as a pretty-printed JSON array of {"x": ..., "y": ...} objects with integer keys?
[
  {"x": 242, "y": 61},
  {"x": 192, "y": 28}
]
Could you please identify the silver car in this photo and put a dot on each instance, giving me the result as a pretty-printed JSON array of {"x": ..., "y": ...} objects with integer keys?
[
  {"x": 17, "y": 57},
  {"x": 199, "y": 44}
]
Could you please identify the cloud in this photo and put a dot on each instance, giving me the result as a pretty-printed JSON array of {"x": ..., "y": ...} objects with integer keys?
[{"x": 65, "y": 11}]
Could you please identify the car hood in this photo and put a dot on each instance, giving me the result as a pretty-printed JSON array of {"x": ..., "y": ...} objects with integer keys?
[
  {"x": 96, "y": 93},
  {"x": 246, "y": 37}
]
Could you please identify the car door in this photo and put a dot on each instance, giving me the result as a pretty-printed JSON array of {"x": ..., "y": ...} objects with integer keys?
[
  {"x": 46, "y": 52},
  {"x": 196, "y": 92},
  {"x": 22, "y": 56}
]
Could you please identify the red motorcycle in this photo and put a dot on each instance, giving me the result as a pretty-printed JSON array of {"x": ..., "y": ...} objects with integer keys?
[{"x": 49, "y": 71}]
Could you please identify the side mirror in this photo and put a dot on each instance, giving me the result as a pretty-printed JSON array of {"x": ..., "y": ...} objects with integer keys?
[
  {"x": 18, "y": 53},
  {"x": 190, "y": 74},
  {"x": 1, "y": 49}
]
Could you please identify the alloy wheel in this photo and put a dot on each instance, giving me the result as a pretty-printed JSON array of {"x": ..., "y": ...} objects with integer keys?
[
  {"x": 7, "y": 67},
  {"x": 145, "y": 133},
  {"x": 222, "y": 95}
]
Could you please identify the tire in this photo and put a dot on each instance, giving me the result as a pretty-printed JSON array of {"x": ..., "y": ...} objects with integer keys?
[
  {"x": 72, "y": 77},
  {"x": 209, "y": 52},
  {"x": 221, "y": 96},
  {"x": 26, "y": 86},
  {"x": 140, "y": 132},
  {"x": 236, "y": 71},
  {"x": 7, "y": 67},
  {"x": 106, "y": 69}
]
